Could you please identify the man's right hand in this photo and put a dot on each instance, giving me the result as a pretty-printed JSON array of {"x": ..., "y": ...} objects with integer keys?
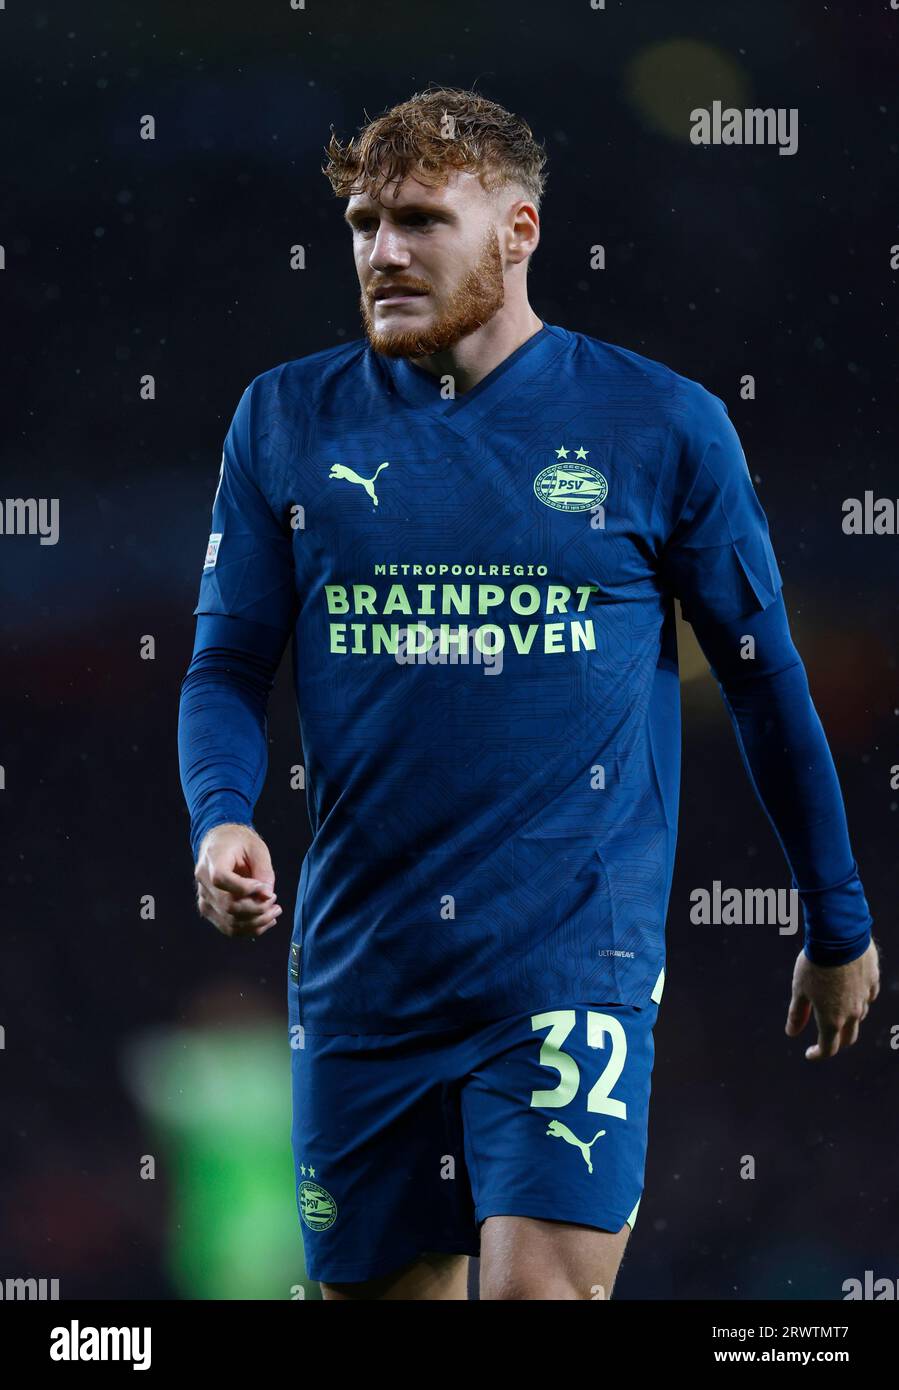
[{"x": 236, "y": 881}]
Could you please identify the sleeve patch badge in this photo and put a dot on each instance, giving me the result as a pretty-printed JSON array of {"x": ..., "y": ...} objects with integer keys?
[{"x": 212, "y": 550}]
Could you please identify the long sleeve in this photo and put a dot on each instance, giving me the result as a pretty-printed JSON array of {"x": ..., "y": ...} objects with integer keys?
[
  {"x": 785, "y": 751},
  {"x": 222, "y": 747},
  {"x": 245, "y": 615}
]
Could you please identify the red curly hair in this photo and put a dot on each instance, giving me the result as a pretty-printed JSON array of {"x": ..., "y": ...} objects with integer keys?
[{"x": 433, "y": 133}]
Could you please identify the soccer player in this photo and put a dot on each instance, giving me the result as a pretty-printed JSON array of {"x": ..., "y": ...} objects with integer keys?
[{"x": 474, "y": 525}]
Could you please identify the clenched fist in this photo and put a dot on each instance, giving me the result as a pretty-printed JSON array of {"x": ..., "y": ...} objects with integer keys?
[{"x": 236, "y": 882}]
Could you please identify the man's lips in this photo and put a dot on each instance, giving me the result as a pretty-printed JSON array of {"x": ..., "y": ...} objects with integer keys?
[{"x": 396, "y": 293}]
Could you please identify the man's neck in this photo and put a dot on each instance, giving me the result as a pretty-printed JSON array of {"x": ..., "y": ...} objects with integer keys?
[{"x": 477, "y": 354}]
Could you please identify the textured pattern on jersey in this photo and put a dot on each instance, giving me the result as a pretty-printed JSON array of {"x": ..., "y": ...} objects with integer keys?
[{"x": 483, "y": 842}]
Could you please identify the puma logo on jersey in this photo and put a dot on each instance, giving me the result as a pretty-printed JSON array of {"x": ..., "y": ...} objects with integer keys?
[
  {"x": 340, "y": 470},
  {"x": 560, "y": 1131}
]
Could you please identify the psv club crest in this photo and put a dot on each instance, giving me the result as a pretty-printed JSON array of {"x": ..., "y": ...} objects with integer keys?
[{"x": 570, "y": 484}]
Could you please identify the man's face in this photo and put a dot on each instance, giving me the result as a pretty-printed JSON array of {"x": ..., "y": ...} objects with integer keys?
[{"x": 429, "y": 264}]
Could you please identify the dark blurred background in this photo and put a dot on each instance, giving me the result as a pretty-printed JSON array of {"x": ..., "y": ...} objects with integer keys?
[{"x": 134, "y": 1033}]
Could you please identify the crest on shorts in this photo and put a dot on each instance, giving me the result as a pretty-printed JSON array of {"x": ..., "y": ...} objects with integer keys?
[{"x": 317, "y": 1207}]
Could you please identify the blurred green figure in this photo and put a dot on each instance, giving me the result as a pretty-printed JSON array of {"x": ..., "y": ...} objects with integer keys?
[{"x": 218, "y": 1098}]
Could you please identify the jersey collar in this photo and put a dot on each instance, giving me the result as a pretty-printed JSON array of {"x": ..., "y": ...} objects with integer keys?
[{"x": 421, "y": 390}]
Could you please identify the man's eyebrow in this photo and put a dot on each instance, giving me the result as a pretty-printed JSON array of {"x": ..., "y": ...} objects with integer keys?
[{"x": 430, "y": 209}]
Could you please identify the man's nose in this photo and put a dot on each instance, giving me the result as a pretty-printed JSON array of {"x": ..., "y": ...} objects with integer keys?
[{"x": 389, "y": 250}]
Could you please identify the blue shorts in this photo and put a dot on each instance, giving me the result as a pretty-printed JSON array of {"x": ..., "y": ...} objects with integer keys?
[{"x": 405, "y": 1142}]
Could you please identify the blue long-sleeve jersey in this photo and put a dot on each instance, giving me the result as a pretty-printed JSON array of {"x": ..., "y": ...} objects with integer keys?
[{"x": 481, "y": 596}]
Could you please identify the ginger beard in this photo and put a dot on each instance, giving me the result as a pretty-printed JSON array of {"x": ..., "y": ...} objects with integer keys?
[{"x": 479, "y": 295}]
